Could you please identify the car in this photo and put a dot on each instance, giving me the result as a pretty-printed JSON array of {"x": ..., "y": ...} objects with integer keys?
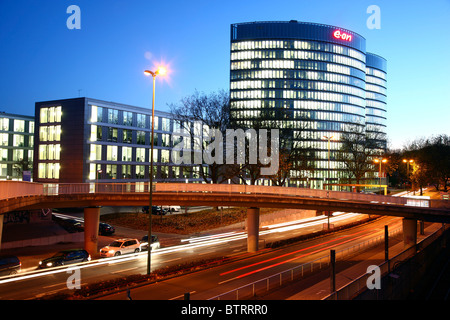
[
  {"x": 121, "y": 246},
  {"x": 65, "y": 257},
  {"x": 155, "y": 242},
  {"x": 9, "y": 264},
  {"x": 105, "y": 229},
  {"x": 155, "y": 210},
  {"x": 72, "y": 225},
  {"x": 172, "y": 208}
]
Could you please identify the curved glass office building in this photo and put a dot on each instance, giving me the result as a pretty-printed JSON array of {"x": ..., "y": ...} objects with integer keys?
[{"x": 319, "y": 76}]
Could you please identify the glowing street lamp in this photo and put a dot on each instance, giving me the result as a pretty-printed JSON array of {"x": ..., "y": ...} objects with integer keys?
[
  {"x": 328, "y": 173},
  {"x": 408, "y": 162},
  {"x": 160, "y": 71},
  {"x": 380, "y": 161}
]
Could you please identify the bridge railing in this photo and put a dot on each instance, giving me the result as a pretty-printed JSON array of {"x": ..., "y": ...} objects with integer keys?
[
  {"x": 10, "y": 189},
  {"x": 13, "y": 189}
]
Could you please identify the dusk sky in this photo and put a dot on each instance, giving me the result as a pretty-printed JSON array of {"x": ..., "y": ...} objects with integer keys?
[{"x": 41, "y": 59}]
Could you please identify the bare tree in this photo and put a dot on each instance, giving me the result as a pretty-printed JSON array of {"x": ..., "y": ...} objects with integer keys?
[
  {"x": 197, "y": 114},
  {"x": 358, "y": 150},
  {"x": 292, "y": 156}
]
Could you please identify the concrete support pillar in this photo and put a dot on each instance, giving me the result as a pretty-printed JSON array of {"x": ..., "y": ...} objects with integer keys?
[
  {"x": 1, "y": 229},
  {"x": 409, "y": 232},
  {"x": 252, "y": 229},
  {"x": 91, "y": 224}
]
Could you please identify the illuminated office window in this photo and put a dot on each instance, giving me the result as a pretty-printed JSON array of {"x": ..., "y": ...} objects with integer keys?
[
  {"x": 96, "y": 152},
  {"x": 126, "y": 153},
  {"x": 4, "y": 124},
  {"x": 111, "y": 153},
  {"x": 19, "y": 125},
  {"x": 140, "y": 154}
]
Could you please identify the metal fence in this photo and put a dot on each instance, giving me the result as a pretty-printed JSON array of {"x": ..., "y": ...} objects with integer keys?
[
  {"x": 358, "y": 285},
  {"x": 11, "y": 189},
  {"x": 274, "y": 281},
  {"x": 142, "y": 187}
]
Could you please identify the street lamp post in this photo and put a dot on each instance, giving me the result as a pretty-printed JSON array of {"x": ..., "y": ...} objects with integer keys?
[
  {"x": 160, "y": 71},
  {"x": 328, "y": 173},
  {"x": 379, "y": 161},
  {"x": 408, "y": 161}
]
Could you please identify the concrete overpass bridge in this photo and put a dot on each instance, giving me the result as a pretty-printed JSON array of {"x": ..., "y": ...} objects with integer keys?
[{"x": 27, "y": 196}]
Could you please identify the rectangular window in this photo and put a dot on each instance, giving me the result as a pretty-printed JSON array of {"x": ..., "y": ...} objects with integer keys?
[
  {"x": 165, "y": 156},
  {"x": 42, "y": 170},
  {"x": 99, "y": 133},
  {"x": 140, "y": 172},
  {"x": 19, "y": 125},
  {"x": 165, "y": 140},
  {"x": 164, "y": 172},
  {"x": 4, "y": 154},
  {"x": 3, "y": 139},
  {"x": 126, "y": 171},
  {"x": 17, "y": 154},
  {"x": 96, "y": 114},
  {"x": 127, "y": 118},
  {"x": 113, "y": 116},
  {"x": 112, "y": 134},
  {"x": 43, "y": 152},
  {"x": 3, "y": 169},
  {"x": 96, "y": 152},
  {"x": 141, "y": 120},
  {"x": 127, "y": 136},
  {"x": 111, "y": 171},
  {"x": 165, "y": 124},
  {"x": 43, "y": 115},
  {"x": 18, "y": 140},
  {"x": 111, "y": 153},
  {"x": 140, "y": 154},
  {"x": 176, "y": 172},
  {"x": 140, "y": 137},
  {"x": 126, "y": 153},
  {"x": 58, "y": 114},
  {"x": 4, "y": 124}
]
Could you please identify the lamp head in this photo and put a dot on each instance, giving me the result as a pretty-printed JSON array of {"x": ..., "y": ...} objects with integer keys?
[{"x": 161, "y": 71}]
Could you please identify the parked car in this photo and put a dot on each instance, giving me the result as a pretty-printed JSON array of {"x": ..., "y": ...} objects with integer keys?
[
  {"x": 105, "y": 229},
  {"x": 65, "y": 257},
  {"x": 155, "y": 210},
  {"x": 119, "y": 247},
  {"x": 72, "y": 225},
  {"x": 9, "y": 264},
  {"x": 155, "y": 242},
  {"x": 172, "y": 208}
]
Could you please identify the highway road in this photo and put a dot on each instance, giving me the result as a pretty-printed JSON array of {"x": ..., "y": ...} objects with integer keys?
[
  {"x": 246, "y": 268},
  {"x": 36, "y": 284},
  {"x": 212, "y": 282}
]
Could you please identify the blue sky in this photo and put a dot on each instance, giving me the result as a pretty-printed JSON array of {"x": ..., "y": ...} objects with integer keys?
[{"x": 41, "y": 59}]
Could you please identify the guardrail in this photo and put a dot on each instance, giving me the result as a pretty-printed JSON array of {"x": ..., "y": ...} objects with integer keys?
[
  {"x": 296, "y": 273},
  {"x": 356, "y": 286},
  {"x": 12, "y": 189},
  {"x": 142, "y": 187}
]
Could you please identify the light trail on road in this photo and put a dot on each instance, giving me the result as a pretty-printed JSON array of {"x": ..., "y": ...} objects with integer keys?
[{"x": 196, "y": 242}]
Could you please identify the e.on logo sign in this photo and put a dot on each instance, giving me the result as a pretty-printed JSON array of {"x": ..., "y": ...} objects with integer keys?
[{"x": 342, "y": 35}]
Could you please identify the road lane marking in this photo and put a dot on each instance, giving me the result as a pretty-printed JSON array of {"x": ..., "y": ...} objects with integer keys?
[
  {"x": 124, "y": 270},
  {"x": 182, "y": 295},
  {"x": 295, "y": 258}
]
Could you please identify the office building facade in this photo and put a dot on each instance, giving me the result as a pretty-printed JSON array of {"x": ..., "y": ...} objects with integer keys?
[
  {"x": 16, "y": 146},
  {"x": 88, "y": 140},
  {"x": 319, "y": 77}
]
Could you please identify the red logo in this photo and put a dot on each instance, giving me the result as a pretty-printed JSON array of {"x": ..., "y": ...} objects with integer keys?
[{"x": 342, "y": 35}]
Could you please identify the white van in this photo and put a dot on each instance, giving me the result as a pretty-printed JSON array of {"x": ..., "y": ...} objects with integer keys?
[{"x": 172, "y": 208}]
